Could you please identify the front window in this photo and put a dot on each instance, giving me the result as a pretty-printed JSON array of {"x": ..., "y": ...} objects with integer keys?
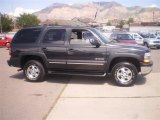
[
  {"x": 82, "y": 36},
  {"x": 101, "y": 36}
]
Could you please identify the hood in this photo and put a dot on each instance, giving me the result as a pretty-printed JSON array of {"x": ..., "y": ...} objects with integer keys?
[{"x": 130, "y": 47}]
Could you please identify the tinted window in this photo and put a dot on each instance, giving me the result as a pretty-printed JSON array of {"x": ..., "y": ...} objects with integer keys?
[
  {"x": 27, "y": 35},
  {"x": 124, "y": 37},
  {"x": 55, "y": 36}
]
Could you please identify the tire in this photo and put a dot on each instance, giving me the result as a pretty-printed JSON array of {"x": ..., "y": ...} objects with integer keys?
[
  {"x": 146, "y": 44},
  {"x": 34, "y": 71},
  {"x": 7, "y": 45},
  {"x": 120, "y": 75}
]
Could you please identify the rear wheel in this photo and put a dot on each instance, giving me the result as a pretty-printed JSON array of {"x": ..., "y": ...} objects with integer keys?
[
  {"x": 124, "y": 74},
  {"x": 34, "y": 71}
]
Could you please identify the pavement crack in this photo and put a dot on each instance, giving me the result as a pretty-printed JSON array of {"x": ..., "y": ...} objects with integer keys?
[{"x": 115, "y": 97}]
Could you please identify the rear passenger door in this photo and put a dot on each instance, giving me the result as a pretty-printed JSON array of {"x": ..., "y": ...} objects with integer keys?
[{"x": 54, "y": 48}]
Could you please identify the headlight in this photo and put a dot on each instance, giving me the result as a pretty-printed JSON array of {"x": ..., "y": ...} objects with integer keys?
[{"x": 147, "y": 57}]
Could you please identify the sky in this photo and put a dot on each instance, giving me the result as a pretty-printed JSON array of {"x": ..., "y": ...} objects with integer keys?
[{"x": 15, "y": 7}]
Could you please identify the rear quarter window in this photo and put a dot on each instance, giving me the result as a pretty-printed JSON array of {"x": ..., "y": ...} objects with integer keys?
[{"x": 27, "y": 36}]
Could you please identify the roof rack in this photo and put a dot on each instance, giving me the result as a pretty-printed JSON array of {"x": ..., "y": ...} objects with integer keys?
[{"x": 65, "y": 25}]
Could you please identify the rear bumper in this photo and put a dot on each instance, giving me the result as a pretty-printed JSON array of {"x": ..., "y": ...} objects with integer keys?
[
  {"x": 14, "y": 62},
  {"x": 146, "y": 68},
  {"x": 9, "y": 63}
]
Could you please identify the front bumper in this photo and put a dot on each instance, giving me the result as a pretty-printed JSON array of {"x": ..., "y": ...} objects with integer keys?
[
  {"x": 146, "y": 68},
  {"x": 154, "y": 45}
]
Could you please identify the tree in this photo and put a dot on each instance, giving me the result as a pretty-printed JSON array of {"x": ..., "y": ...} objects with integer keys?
[
  {"x": 120, "y": 25},
  {"x": 109, "y": 23},
  {"x": 26, "y": 20},
  {"x": 6, "y": 23},
  {"x": 130, "y": 20}
]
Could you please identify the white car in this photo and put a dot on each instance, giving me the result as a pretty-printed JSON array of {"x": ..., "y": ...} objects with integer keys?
[
  {"x": 150, "y": 41},
  {"x": 138, "y": 38}
]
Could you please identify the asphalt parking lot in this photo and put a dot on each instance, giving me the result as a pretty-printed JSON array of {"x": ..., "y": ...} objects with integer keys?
[
  {"x": 22, "y": 100},
  {"x": 70, "y": 98}
]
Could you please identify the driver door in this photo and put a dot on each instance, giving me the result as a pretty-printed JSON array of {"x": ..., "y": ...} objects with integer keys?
[{"x": 82, "y": 55}]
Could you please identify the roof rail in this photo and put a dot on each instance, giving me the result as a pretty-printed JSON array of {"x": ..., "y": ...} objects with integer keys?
[{"x": 64, "y": 25}]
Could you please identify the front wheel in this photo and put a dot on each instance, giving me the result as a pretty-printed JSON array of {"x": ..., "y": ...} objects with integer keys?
[
  {"x": 34, "y": 71},
  {"x": 124, "y": 74},
  {"x": 146, "y": 44}
]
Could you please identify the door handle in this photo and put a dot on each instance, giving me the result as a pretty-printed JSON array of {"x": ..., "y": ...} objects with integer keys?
[
  {"x": 71, "y": 49},
  {"x": 44, "y": 48}
]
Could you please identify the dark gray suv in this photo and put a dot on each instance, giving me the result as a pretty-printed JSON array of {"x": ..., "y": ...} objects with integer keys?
[{"x": 76, "y": 51}]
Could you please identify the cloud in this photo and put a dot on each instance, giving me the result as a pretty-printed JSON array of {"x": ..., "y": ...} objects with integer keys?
[
  {"x": 20, "y": 10},
  {"x": 153, "y": 6}
]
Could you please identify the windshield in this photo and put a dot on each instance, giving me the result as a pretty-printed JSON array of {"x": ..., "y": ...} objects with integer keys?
[
  {"x": 152, "y": 36},
  {"x": 102, "y": 36},
  {"x": 148, "y": 36}
]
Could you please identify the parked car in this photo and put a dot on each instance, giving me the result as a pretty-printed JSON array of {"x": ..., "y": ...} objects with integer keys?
[
  {"x": 123, "y": 37},
  {"x": 138, "y": 38},
  {"x": 5, "y": 41},
  {"x": 10, "y": 34},
  {"x": 107, "y": 33},
  {"x": 70, "y": 50},
  {"x": 151, "y": 41}
]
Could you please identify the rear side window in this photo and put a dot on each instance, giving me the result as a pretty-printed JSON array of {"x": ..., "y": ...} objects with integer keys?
[
  {"x": 54, "y": 36},
  {"x": 27, "y": 35}
]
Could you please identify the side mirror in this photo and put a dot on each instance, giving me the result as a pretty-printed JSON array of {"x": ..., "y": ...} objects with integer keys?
[
  {"x": 95, "y": 42},
  {"x": 92, "y": 39}
]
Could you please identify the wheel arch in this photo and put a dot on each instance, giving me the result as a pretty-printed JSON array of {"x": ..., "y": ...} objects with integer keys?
[
  {"x": 116, "y": 60},
  {"x": 25, "y": 58}
]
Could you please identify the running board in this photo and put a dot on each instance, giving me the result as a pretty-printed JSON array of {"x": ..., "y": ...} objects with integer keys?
[{"x": 63, "y": 73}]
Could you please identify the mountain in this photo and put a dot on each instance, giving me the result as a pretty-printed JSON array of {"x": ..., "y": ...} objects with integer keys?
[{"x": 98, "y": 11}]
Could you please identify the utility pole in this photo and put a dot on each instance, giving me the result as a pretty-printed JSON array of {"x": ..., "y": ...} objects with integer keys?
[
  {"x": 153, "y": 15},
  {"x": 1, "y": 22}
]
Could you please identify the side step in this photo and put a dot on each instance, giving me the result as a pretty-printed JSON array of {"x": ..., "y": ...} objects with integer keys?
[{"x": 78, "y": 74}]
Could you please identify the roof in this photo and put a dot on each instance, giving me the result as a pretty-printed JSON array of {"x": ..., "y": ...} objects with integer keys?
[{"x": 58, "y": 26}]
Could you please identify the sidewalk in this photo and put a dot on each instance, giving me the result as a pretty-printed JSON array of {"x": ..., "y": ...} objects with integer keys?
[{"x": 90, "y": 98}]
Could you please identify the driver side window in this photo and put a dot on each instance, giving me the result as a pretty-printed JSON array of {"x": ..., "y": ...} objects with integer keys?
[{"x": 81, "y": 37}]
